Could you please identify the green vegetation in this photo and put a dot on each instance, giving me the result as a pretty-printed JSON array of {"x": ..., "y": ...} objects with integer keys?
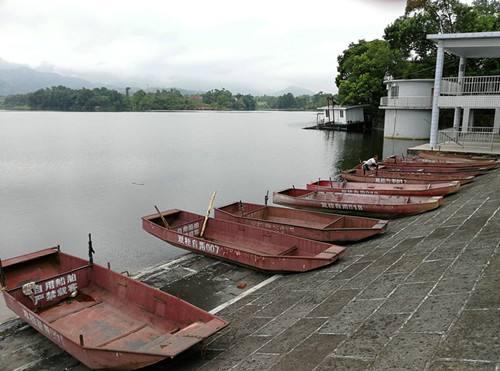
[
  {"x": 60, "y": 98},
  {"x": 406, "y": 53}
]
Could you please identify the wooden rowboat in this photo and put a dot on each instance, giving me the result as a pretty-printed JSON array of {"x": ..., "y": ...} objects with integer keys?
[
  {"x": 317, "y": 226},
  {"x": 429, "y": 168},
  {"x": 455, "y": 171},
  {"x": 257, "y": 248},
  {"x": 394, "y": 177},
  {"x": 419, "y": 162},
  {"x": 433, "y": 155},
  {"x": 379, "y": 205},
  {"x": 429, "y": 189},
  {"x": 102, "y": 318}
]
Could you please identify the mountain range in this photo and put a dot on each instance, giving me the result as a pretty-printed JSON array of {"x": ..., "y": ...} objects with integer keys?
[{"x": 17, "y": 79}]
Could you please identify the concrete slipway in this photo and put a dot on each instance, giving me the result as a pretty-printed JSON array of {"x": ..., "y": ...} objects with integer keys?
[{"x": 423, "y": 296}]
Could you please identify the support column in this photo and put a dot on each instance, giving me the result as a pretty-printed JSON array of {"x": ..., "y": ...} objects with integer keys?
[
  {"x": 496, "y": 121},
  {"x": 466, "y": 120},
  {"x": 437, "y": 92},
  {"x": 458, "y": 110}
]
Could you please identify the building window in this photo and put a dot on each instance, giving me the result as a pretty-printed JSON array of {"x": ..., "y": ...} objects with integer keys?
[
  {"x": 394, "y": 91},
  {"x": 341, "y": 114}
]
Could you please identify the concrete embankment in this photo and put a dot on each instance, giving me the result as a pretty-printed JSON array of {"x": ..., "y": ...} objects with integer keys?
[{"x": 423, "y": 296}]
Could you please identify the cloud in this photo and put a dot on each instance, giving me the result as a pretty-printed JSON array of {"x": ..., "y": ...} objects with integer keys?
[{"x": 265, "y": 45}]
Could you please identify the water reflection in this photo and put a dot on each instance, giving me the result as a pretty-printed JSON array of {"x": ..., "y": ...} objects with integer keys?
[
  {"x": 346, "y": 150},
  {"x": 69, "y": 174},
  {"x": 399, "y": 147}
]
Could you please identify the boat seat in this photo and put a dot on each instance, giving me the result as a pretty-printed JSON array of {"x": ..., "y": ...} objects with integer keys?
[
  {"x": 258, "y": 247},
  {"x": 57, "y": 312},
  {"x": 287, "y": 252},
  {"x": 155, "y": 343}
]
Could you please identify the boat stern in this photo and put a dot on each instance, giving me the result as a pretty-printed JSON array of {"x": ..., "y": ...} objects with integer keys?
[{"x": 334, "y": 252}]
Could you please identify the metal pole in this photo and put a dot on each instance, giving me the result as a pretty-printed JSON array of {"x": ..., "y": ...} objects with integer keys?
[
  {"x": 458, "y": 110},
  {"x": 91, "y": 251},
  {"x": 437, "y": 92},
  {"x": 2, "y": 274}
]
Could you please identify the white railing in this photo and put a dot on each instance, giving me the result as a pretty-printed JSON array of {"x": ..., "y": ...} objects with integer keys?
[
  {"x": 476, "y": 137},
  {"x": 471, "y": 85},
  {"x": 407, "y": 102}
]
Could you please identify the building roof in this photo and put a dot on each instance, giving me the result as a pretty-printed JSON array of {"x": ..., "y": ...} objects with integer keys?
[
  {"x": 389, "y": 80},
  {"x": 344, "y": 107},
  {"x": 470, "y": 45}
]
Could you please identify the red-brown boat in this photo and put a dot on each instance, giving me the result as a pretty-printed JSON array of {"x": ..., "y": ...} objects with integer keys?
[
  {"x": 433, "y": 155},
  {"x": 317, "y": 226},
  {"x": 456, "y": 171},
  {"x": 379, "y": 205},
  {"x": 394, "y": 177},
  {"x": 429, "y": 189},
  {"x": 102, "y": 318},
  {"x": 422, "y": 162},
  {"x": 261, "y": 249}
]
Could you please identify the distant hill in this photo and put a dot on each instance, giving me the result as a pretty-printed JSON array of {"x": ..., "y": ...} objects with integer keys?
[
  {"x": 296, "y": 91},
  {"x": 18, "y": 79},
  {"x": 22, "y": 80}
]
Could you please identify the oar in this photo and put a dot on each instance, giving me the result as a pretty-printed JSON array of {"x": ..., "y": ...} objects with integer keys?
[
  {"x": 162, "y": 218},
  {"x": 208, "y": 213}
]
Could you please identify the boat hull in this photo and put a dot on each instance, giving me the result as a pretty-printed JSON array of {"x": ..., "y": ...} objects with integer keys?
[
  {"x": 379, "y": 205},
  {"x": 102, "y": 318},
  {"x": 455, "y": 163},
  {"x": 429, "y": 189},
  {"x": 324, "y": 227},
  {"x": 388, "y": 177},
  {"x": 433, "y": 155},
  {"x": 252, "y": 247},
  {"x": 430, "y": 170}
]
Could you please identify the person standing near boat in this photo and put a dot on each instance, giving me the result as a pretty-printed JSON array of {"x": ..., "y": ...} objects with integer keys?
[{"x": 367, "y": 165}]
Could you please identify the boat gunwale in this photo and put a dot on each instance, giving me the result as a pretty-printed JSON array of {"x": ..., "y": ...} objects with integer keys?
[
  {"x": 30, "y": 256},
  {"x": 325, "y": 229},
  {"x": 309, "y": 194},
  {"x": 230, "y": 245},
  {"x": 433, "y": 202},
  {"x": 397, "y": 189},
  {"x": 321, "y": 253}
]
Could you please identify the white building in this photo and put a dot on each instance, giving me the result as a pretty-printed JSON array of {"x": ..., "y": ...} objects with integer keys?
[
  {"x": 407, "y": 108},
  {"x": 342, "y": 117},
  {"x": 462, "y": 93},
  {"x": 412, "y": 106}
]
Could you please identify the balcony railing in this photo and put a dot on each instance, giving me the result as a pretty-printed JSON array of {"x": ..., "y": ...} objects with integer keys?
[
  {"x": 471, "y": 85},
  {"x": 407, "y": 102},
  {"x": 475, "y": 137}
]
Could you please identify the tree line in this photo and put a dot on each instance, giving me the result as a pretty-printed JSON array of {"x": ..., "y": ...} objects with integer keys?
[{"x": 61, "y": 98}]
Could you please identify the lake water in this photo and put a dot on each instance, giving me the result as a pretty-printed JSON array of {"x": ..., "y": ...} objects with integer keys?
[{"x": 65, "y": 175}]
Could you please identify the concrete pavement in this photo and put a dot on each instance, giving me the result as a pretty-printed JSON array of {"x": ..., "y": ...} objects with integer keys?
[{"x": 423, "y": 296}]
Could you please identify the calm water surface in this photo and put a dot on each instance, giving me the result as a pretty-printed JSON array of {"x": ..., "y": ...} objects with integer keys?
[{"x": 65, "y": 175}]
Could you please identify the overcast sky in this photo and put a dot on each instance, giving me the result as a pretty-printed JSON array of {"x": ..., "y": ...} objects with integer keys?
[{"x": 210, "y": 44}]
